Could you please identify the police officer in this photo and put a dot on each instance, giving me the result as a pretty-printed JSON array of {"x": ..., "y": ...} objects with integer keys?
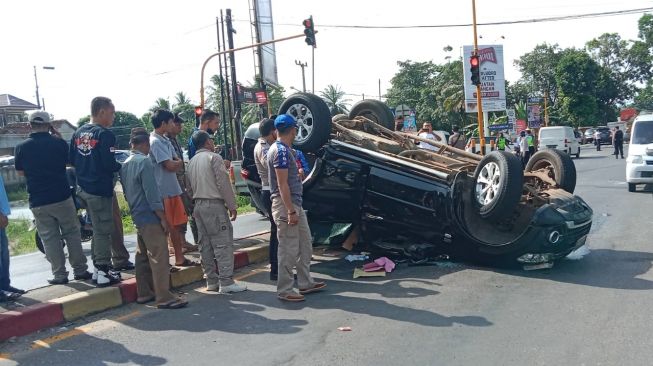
[{"x": 501, "y": 142}]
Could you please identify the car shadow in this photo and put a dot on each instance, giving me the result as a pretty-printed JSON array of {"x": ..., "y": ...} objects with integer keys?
[
  {"x": 87, "y": 350},
  {"x": 602, "y": 268}
]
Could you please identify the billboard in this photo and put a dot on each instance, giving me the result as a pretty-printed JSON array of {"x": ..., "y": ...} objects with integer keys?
[
  {"x": 534, "y": 109},
  {"x": 266, "y": 33},
  {"x": 493, "y": 82}
]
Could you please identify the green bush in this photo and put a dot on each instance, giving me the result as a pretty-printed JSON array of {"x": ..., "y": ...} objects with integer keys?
[{"x": 21, "y": 240}]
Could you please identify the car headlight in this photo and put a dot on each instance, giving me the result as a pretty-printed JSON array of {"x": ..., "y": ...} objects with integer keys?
[{"x": 636, "y": 159}]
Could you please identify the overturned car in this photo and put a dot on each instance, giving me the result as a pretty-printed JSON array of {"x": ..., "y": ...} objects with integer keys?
[{"x": 392, "y": 196}]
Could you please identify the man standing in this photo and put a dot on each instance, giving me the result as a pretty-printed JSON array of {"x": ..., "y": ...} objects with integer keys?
[
  {"x": 91, "y": 153},
  {"x": 42, "y": 159},
  {"x": 215, "y": 208},
  {"x": 7, "y": 292},
  {"x": 456, "y": 139},
  {"x": 209, "y": 122},
  {"x": 295, "y": 243},
  {"x": 146, "y": 208},
  {"x": 597, "y": 139},
  {"x": 186, "y": 195},
  {"x": 618, "y": 142},
  {"x": 427, "y": 133},
  {"x": 166, "y": 166},
  {"x": 502, "y": 142},
  {"x": 530, "y": 141},
  {"x": 268, "y": 137},
  {"x": 523, "y": 148}
]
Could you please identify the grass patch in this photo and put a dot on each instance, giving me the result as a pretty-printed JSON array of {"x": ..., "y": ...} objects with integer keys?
[
  {"x": 21, "y": 241},
  {"x": 18, "y": 193},
  {"x": 244, "y": 205},
  {"x": 127, "y": 222}
]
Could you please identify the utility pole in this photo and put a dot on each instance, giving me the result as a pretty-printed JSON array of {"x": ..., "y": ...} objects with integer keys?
[
  {"x": 267, "y": 109},
  {"x": 36, "y": 80},
  {"x": 481, "y": 130},
  {"x": 379, "y": 88},
  {"x": 302, "y": 65},
  {"x": 313, "y": 68},
  {"x": 234, "y": 85}
]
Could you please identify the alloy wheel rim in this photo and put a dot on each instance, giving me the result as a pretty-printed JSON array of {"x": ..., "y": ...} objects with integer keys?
[
  {"x": 488, "y": 183},
  {"x": 305, "y": 121}
]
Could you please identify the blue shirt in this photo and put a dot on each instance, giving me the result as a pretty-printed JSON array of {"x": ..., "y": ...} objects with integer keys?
[
  {"x": 280, "y": 156},
  {"x": 140, "y": 188},
  {"x": 191, "y": 146},
  {"x": 4, "y": 200}
]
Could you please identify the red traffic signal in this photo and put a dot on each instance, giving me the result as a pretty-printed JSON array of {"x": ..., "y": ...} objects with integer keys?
[
  {"x": 475, "y": 69},
  {"x": 309, "y": 31},
  {"x": 198, "y": 111}
]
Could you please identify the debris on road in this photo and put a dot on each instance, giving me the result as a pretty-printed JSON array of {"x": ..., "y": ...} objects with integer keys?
[
  {"x": 359, "y": 272},
  {"x": 356, "y": 257},
  {"x": 344, "y": 329},
  {"x": 382, "y": 263},
  {"x": 579, "y": 253}
]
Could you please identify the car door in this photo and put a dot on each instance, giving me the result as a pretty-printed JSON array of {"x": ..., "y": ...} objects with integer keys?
[{"x": 401, "y": 203}]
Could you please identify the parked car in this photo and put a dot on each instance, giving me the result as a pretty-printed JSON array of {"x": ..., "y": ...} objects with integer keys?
[
  {"x": 563, "y": 138},
  {"x": 475, "y": 208},
  {"x": 605, "y": 134},
  {"x": 121, "y": 155},
  {"x": 639, "y": 164},
  {"x": 588, "y": 136}
]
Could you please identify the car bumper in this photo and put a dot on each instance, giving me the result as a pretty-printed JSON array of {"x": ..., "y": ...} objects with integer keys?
[{"x": 639, "y": 173}]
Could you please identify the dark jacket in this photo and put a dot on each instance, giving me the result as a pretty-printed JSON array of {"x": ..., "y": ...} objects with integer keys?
[{"x": 91, "y": 153}]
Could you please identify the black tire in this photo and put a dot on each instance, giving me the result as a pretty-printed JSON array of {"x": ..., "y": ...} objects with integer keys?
[
  {"x": 39, "y": 242},
  {"x": 632, "y": 187},
  {"x": 375, "y": 110},
  {"x": 313, "y": 118},
  {"x": 564, "y": 169},
  {"x": 500, "y": 200}
]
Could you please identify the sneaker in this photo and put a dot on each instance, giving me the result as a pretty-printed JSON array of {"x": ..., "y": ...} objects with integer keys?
[
  {"x": 232, "y": 288},
  {"x": 212, "y": 288},
  {"x": 125, "y": 267},
  {"x": 58, "y": 281},
  {"x": 16, "y": 290},
  {"x": 84, "y": 276},
  {"x": 107, "y": 278},
  {"x": 8, "y": 296}
]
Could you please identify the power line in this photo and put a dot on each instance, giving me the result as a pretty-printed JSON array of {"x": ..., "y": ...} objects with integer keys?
[{"x": 509, "y": 22}]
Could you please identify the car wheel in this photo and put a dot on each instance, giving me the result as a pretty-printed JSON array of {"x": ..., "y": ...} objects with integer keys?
[
  {"x": 632, "y": 187},
  {"x": 313, "y": 120},
  {"x": 561, "y": 167},
  {"x": 498, "y": 184},
  {"x": 374, "y": 110}
]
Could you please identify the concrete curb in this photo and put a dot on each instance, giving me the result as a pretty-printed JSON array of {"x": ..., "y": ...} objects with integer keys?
[{"x": 36, "y": 317}]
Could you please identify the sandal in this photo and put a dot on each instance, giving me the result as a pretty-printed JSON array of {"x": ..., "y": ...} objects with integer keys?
[
  {"x": 188, "y": 263},
  {"x": 318, "y": 286},
  {"x": 144, "y": 300},
  {"x": 173, "y": 304},
  {"x": 174, "y": 269},
  {"x": 291, "y": 297}
]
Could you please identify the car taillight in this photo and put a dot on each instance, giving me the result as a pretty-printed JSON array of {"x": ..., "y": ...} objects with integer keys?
[
  {"x": 244, "y": 173},
  {"x": 232, "y": 176}
]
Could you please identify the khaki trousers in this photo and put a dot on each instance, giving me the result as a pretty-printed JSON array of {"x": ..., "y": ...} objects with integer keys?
[
  {"x": 152, "y": 264},
  {"x": 119, "y": 253},
  {"x": 101, "y": 210},
  {"x": 58, "y": 221},
  {"x": 295, "y": 249},
  {"x": 216, "y": 241}
]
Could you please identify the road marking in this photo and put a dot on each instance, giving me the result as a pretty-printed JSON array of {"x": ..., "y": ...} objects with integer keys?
[
  {"x": 250, "y": 274},
  {"x": 47, "y": 342}
]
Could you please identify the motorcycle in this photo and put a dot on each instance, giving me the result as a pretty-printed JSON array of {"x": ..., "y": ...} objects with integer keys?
[{"x": 86, "y": 227}]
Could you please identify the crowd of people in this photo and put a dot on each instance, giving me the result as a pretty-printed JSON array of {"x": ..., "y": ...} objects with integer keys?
[{"x": 165, "y": 195}]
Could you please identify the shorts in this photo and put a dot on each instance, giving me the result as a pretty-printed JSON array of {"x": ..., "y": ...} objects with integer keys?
[{"x": 175, "y": 211}]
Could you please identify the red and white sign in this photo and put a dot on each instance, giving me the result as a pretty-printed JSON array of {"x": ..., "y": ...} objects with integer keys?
[{"x": 493, "y": 82}]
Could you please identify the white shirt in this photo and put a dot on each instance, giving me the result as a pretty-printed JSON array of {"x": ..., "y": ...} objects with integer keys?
[{"x": 424, "y": 145}]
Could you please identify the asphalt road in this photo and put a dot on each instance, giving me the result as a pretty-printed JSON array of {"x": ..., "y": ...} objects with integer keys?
[
  {"x": 590, "y": 311},
  {"x": 30, "y": 271}
]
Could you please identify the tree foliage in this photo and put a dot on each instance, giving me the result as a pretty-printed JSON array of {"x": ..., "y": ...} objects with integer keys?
[
  {"x": 122, "y": 125},
  {"x": 334, "y": 97}
]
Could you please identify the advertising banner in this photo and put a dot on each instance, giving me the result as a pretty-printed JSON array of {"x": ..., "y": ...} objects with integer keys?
[{"x": 493, "y": 82}]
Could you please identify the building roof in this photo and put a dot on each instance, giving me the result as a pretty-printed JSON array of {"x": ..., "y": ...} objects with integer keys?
[
  {"x": 8, "y": 100},
  {"x": 23, "y": 128}
]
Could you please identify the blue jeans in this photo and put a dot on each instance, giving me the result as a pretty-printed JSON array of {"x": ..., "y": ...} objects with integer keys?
[{"x": 4, "y": 260}]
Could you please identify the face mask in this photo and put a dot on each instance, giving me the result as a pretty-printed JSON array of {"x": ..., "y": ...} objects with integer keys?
[{"x": 209, "y": 131}]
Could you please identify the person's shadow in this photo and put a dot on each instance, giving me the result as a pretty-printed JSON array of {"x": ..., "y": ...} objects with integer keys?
[{"x": 87, "y": 350}]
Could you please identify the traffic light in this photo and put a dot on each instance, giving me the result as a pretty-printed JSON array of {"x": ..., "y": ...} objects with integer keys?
[
  {"x": 475, "y": 64},
  {"x": 198, "y": 114},
  {"x": 309, "y": 31}
]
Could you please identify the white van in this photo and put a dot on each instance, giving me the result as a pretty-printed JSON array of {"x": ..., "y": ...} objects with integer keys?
[
  {"x": 561, "y": 138},
  {"x": 639, "y": 166}
]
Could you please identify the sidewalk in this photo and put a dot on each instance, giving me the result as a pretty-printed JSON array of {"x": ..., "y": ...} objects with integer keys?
[{"x": 52, "y": 305}]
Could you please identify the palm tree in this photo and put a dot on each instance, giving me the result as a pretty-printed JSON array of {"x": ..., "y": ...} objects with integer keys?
[
  {"x": 334, "y": 98},
  {"x": 160, "y": 104},
  {"x": 181, "y": 99}
]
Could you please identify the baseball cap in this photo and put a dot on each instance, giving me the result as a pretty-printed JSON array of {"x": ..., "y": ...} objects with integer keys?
[
  {"x": 284, "y": 121},
  {"x": 39, "y": 117}
]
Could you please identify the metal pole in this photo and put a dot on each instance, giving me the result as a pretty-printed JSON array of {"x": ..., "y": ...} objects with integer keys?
[
  {"x": 234, "y": 85},
  {"x": 481, "y": 131},
  {"x": 302, "y": 65},
  {"x": 379, "y": 88},
  {"x": 225, "y": 81},
  {"x": 546, "y": 108},
  {"x": 259, "y": 50},
  {"x": 222, "y": 109},
  {"x": 36, "y": 81},
  {"x": 313, "y": 68}
]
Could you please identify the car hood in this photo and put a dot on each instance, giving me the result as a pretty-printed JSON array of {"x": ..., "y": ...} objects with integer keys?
[{"x": 637, "y": 149}]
